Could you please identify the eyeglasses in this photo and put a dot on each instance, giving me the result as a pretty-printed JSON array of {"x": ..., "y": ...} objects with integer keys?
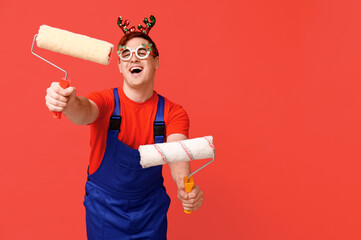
[{"x": 142, "y": 52}]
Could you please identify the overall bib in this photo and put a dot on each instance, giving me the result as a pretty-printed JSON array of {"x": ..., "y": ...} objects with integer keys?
[{"x": 122, "y": 200}]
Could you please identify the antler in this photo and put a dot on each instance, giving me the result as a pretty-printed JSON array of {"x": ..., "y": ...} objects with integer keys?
[
  {"x": 124, "y": 25},
  {"x": 148, "y": 25}
]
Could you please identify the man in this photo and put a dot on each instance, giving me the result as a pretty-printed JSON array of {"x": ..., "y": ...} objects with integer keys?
[{"x": 123, "y": 200}]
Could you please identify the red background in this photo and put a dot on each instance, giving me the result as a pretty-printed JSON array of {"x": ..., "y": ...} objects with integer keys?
[{"x": 275, "y": 82}]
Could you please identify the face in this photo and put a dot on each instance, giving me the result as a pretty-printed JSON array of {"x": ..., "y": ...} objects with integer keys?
[{"x": 138, "y": 72}]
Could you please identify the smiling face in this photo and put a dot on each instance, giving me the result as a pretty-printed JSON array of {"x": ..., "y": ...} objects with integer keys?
[{"x": 138, "y": 73}]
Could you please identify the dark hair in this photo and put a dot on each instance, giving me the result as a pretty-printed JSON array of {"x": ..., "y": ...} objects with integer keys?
[{"x": 132, "y": 35}]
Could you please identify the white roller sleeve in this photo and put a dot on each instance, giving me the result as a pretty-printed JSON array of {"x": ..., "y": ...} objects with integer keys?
[
  {"x": 187, "y": 150},
  {"x": 74, "y": 44}
]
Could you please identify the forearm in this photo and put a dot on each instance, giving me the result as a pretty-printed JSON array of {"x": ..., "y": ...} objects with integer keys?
[
  {"x": 81, "y": 111},
  {"x": 178, "y": 171}
]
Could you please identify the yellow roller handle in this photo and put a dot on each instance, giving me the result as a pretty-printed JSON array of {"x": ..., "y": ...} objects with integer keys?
[{"x": 188, "y": 186}]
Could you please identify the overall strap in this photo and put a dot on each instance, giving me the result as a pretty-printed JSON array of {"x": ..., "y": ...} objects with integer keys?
[
  {"x": 115, "y": 118},
  {"x": 159, "y": 125}
]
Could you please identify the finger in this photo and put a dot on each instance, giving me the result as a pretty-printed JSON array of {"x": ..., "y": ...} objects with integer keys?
[
  {"x": 182, "y": 195},
  {"x": 195, "y": 191},
  {"x": 197, "y": 197},
  {"x": 53, "y": 102},
  {"x": 51, "y": 93},
  {"x": 188, "y": 208},
  {"x": 196, "y": 207},
  {"x": 55, "y": 108},
  {"x": 192, "y": 201},
  {"x": 69, "y": 91},
  {"x": 193, "y": 206},
  {"x": 55, "y": 86}
]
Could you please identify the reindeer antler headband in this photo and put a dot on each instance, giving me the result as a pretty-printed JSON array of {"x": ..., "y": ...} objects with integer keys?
[{"x": 146, "y": 29}]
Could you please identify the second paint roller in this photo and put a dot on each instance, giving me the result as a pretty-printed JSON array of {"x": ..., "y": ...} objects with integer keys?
[
  {"x": 72, "y": 44},
  {"x": 170, "y": 152}
]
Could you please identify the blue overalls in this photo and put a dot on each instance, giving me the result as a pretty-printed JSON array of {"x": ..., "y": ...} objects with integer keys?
[{"x": 123, "y": 200}]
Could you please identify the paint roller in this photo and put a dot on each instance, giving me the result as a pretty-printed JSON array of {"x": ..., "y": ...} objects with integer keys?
[
  {"x": 170, "y": 152},
  {"x": 72, "y": 44}
]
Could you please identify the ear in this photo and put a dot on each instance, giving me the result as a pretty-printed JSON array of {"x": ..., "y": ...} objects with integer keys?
[{"x": 156, "y": 59}]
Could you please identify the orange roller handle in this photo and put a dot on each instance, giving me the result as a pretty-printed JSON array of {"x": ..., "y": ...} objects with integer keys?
[
  {"x": 64, "y": 84},
  {"x": 188, "y": 186}
]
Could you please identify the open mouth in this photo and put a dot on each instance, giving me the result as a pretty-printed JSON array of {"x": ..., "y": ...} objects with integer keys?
[{"x": 135, "y": 70}]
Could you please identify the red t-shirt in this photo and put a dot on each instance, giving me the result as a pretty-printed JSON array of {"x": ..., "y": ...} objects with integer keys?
[{"x": 137, "y": 122}]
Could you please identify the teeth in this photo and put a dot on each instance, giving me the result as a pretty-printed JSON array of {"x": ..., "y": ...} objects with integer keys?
[{"x": 134, "y": 68}]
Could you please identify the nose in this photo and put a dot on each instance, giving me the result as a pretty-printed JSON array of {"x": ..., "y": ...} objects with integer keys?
[{"x": 134, "y": 57}]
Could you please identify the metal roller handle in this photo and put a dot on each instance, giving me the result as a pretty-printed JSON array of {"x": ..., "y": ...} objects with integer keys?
[{"x": 32, "y": 47}]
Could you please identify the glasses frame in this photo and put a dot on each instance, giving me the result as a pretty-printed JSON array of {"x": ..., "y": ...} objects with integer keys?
[{"x": 136, "y": 53}]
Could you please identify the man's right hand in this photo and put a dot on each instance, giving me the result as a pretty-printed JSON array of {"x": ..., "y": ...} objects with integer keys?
[
  {"x": 77, "y": 109},
  {"x": 58, "y": 99}
]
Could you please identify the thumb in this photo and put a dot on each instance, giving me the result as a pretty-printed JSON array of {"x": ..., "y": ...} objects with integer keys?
[{"x": 70, "y": 91}]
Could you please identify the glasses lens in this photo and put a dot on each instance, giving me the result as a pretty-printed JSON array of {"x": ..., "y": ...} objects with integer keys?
[
  {"x": 142, "y": 52},
  {"x": 125, "y": 54}
]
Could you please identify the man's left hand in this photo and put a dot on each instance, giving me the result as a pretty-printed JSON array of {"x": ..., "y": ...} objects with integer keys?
[{"x": 191, "y": 201}]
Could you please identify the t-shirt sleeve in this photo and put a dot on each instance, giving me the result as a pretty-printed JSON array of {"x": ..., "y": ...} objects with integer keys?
[
  {"x": 104, "y": 100},
  {"x": 178, "y": 121}
]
